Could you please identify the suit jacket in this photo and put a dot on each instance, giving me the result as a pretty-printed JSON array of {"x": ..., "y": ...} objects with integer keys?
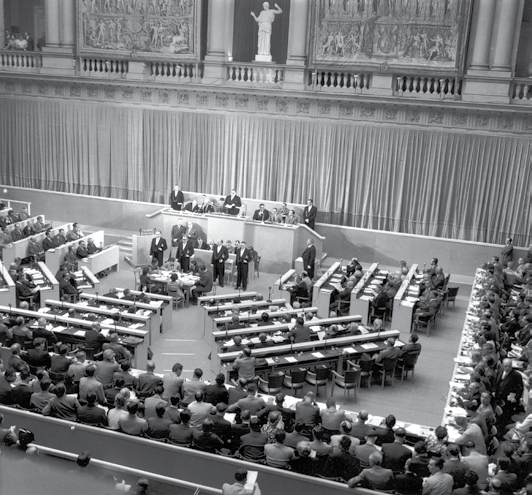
[
  {"x": 205, "y": 282},
  {"x": 310, "y": 215},
  {"x": 233, "y": 205},
  {"x": 219, "y": 254},
  {"x": 512, "y": 383},
  {"x": 158, "y": 248},
  {"x": 177, "y": 233},
  {"x": 29, "y": 230},
  {"x": 205, "y": 208},
  {"x": 59, "y": 240},
  {"x": 395, "y": 455},
  {"x": 176, "y": 200},
  {"x": 243, "y": 257},
  {"x": 17, "y": 234},
  {"x": 261, "y": 215},
  {"x": 185, "y": 250},
  {"x": 192, "y": 233},
  {"x": 48, "y": 243},
  {"x": 309, "y": 256}
]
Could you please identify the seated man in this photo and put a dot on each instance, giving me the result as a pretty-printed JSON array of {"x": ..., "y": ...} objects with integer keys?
[
  {"x": 277, "y": 454},
  {"x": 35, "y": 250},
  {"x": 375, "y": 477},
  {"x": 298, "y": 290},
  {"x": 262, "y": 214},
  {"x": 204, "y": 284},
  {"x": 148, "y": 381},
  {"x": 81, "y": 251},
  {"x": 91, "y": 247},
  {"x": 132, "y": 424}
]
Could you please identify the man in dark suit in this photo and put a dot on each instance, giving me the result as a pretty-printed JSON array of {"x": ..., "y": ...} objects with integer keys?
[
  {"x": 60, "y": 238},
  {"x": 219, "y": 256},
  {"x": 185, "y": 249},
  {"x": 158, "y": 247},
  {"x": 206, "y": 206},
  {"x": 509, "y": 389},
  {"x": 395, "y": 453},
  {"x": 262, "y": 214},
  {"x": 48, "y": 241},
  {"x": 309, "y": 257},
  {"x": 243, "y": 257},
  {"x": 29, "y": 40},
  {"x": 176, "y": 198},
  {"x": 17, "y": 234},
  {"x": 178, "y": 230},
  {"x": 232, "y": 204},
  {"x": 309, "y": 214},
  {"x": 204, "y": 284}
]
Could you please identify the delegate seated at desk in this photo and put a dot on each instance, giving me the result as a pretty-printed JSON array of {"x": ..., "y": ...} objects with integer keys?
[{"x": 300, "y": 333}]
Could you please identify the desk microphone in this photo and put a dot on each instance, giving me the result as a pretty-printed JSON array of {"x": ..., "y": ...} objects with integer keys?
[
  {"x": 226, "y": 326},
  {"x": 96, "y": 297},
  {"x": 10, "y": 309},
  {"x": 269, "y": 295}
]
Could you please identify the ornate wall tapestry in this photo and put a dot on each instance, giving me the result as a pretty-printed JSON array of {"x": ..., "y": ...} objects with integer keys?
[
  {"x": 407, "y": 34},
  {"x": 145, "y": 29}
]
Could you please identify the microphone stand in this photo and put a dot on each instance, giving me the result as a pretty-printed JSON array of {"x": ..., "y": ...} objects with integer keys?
[
  {"x": 10, "y": 309},
  {"x": 269, "y": 295},
  {"x": 97, "y": 302}
]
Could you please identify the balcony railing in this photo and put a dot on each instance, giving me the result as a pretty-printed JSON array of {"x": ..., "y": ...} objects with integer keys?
[
  {"x": 103, "y": 67},
  {"x": 254, "y": 74},
  {"x": 20, "y": 60},
  {"x": 521, "y": 91},
  {"x": 434, "y": 87},
  {"x": 338, "y": 81},
  {"x": 176, "y": 72}
]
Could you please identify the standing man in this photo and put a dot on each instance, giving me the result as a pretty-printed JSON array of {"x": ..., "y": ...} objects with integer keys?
[
  {"x": 232, "y": 204},
  {"x": 243, "y": 257},
  {"x": 309, "y": 214},
  {"x": 507, "y": 252},
  {"x": 185, "y": 250},
  {"x": 158, "y": 247},
  {"x": 177, "y": 199},
  {"x": 309, "y": 257},
  {"x": 219, "y": 255},
  {"x": 177, "y": 234},
  {"x": 509, "y": 390}
]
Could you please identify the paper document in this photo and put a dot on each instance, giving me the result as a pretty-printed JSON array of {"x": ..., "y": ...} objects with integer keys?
[
  {"x": 291, "y": 359},
  {"x": 318, "y": 355},
  {"x": 250, "y": 481},
  {"x": 80, "y": 333},
  {"x": 350, "y": 350},
  {"x": 369, "y": 345},
  {"x": 270, "y": 361}
]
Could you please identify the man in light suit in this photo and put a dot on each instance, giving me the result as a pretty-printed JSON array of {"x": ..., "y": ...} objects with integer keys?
[
  {"x": 232, "y": 204},
  {"x": 243, "y": 257},
  {"x": 219, "y": 256},
  {"x": 158, "y": 247},
  {"x": 176, "y": 198},
  {"x": 309, "y": 214},
  {"x": 309, "y": 257},
  {"x": 262, "y": 214},
  {"x": 185, "y": 250}
]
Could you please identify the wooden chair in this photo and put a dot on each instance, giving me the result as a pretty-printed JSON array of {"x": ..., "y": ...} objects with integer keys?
[
  {"x": 274, "y": 383},
  {"x": 176, "y": 300},
  {"x": 349, "y": 381},
  {"x": 407, "y": 362},
  {"x": 388, "y": 366},
  {"x": 318, "y": 379},
  {"x": 295, "y": 380},
  {"x": 29, "y": 299},
  {"x": 56, "y": 377},
  {"x": 452, "y": 292},
  {"x": 420, "y": 321},
  {"x": 366, "y": 370}
]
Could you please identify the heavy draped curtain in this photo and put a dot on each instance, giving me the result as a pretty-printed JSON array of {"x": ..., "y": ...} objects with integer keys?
[{"x": 421, "y": 181}]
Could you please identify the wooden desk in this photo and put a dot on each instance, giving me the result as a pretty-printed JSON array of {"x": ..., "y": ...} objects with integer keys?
[
  {"x": 55, "y": 257},
  {"x": 321, "y": 294},
  {"x": 104, "y": 316},
  {"x": 332, "y": 350},
  {"x": 285, "y": 281},
  {"x": 204, "y": 306},
  {"x": 403, "y": 309},
  {"x": 360, "y": 299},
  {"x": 48, "y": 284},
  {"x": 154, "y": 308},
  {"x": 187, "y": 281},
  {"x": 165, "y": 307},
  {"x": 109, "y": 257},
  {"x": 8, "y": 293},
  {"x": 72, "y": 330}
]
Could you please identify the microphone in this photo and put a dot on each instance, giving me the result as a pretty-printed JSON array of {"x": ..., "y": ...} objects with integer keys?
[
  {"x": 10, "y": 309},
  {"x": 96, "y": 297},
  {"x": 269, "y": 295},
  {"x": 226, "y": 326}
]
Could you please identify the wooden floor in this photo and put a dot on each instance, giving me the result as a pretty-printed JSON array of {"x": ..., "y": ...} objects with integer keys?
[{"x": 421, "y": 402}]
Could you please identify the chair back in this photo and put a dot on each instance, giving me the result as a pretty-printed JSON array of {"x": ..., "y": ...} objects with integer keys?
[
  {"x": 366, "y": 366},
  {"x": 89, "y": 352},
  {"x": 252, "y": 453},
  {"x": 299, "y": 375},
  {"x": 410, "y": 359},
  {"x": 352, "y": 376},
  {"x": 389, "y": 364},
  {"x": 56, "y": 377},
  {"x": 322, "y": 374},
  {"x": 447, "y": 278},
  {"x": 452, "y": 292},
  {"x": 275, "y": 380}
]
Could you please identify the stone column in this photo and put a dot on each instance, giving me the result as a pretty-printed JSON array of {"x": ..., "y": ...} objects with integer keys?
[
  {"x": 68, "y": 24},
  {"x": 2, "y": 26},
  {"x": 504, "y": 33},
  {"x": 484, "y": 14},
  {"x": 216, "y": 30},
  {"x": 52, "y": 13},
  {"x": 297, "y": 32}
]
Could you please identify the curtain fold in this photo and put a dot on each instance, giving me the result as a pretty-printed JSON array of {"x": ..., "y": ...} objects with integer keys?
[{"x": 421, "y": 181}]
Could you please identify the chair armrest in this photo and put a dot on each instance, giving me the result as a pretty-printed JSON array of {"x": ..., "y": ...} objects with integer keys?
[
  {"x": 337, "y": 375},
  {"x": 352, "y": 364}
]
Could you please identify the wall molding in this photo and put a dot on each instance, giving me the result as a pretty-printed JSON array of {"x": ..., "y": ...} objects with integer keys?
[{"x": 447, "y": 115}]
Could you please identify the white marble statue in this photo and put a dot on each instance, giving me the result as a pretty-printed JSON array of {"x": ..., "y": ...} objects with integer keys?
[{"x": 265, "y": 21}]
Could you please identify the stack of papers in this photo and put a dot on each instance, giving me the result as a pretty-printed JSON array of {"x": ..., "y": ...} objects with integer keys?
[{"x": 369, "y": 345}]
